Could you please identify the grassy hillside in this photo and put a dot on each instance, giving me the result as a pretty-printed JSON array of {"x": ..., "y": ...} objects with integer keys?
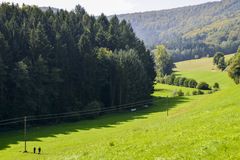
[
  {"x": 203, "y": 70},
  {"x": 164, "y": 90},
  {"x": 197, "y": 127}
]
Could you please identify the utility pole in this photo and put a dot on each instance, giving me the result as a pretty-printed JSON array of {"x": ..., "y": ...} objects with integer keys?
[
  {"x": 25, "y": 134},
  {"x": 167, "y": 106}
]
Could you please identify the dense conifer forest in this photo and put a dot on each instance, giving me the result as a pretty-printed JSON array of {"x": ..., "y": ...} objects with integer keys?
[{"x": 60, "y": 61}]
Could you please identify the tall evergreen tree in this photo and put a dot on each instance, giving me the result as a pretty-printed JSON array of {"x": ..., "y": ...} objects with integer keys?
[
  {"x": 60, "y": 61},
  {"x": 114, "y": 33},
  {"x": 3, "y": 77},
  {"x": 39, "y": 43}
]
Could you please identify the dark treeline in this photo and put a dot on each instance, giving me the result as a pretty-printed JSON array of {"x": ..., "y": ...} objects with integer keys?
[
  {"x": 197, "y": 46},
  {"x": 53, "y": 62}
]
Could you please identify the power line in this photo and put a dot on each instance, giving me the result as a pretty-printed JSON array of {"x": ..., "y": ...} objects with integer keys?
[
  {"x": 12, "y": 119},
  {"x": 83, "y": 114},
  {"x": 69, "y": 114},
  {"x": 73, "y": 114},
  {"x": 56, "y": 114},
  {"x": 77, "y": 113},
  {"x": 14, "y": 122}
]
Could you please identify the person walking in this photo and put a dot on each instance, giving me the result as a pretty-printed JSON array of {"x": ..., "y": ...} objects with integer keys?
[{"x": 39, "y": 150}]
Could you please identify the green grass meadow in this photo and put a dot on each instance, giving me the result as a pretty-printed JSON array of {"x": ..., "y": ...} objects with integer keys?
[
  {"x": 205, "y": 127},
  {"x": 164, "y": 90},
  {"x": 203, "y": 70}
]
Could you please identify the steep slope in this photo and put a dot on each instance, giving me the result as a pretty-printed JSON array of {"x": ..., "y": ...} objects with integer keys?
[
  {"x": 203, "y": 70},
  {"x": 170, "y": 27},
  {"x": 159, "y": 24},
  {"x": 224, "y": 32}
]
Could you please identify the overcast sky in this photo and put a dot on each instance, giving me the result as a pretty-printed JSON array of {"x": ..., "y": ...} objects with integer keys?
[{"x": 110, "y": 7}]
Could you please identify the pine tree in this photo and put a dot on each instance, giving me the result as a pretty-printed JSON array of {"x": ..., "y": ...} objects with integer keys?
[
  {"x": 3, "y": 77},
  {"x": 60, "y": 61},
  {"x": 39, "y": 43},
  {"x": 114, "y": 33}
]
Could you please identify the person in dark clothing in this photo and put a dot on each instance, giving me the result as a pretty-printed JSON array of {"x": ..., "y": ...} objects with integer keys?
[
  {"x": 34, "y": 150},
  {"x": 39, "y": 150}
]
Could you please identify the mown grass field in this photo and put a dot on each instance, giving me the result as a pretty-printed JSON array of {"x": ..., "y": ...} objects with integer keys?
[
  {"x": 164, "y": 90},
  {"x": 197, "y": 127},
  {"x": 203, "y": 70}
]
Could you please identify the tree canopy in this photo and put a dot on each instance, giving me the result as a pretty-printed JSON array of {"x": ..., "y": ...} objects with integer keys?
[
  {"x": 60, "y": 61},
  {"x": 234, "y": 68},
  {"x": 219, "y": 61},
  {"x": 191, "y": 31},
  {"x": 163, "y": 61}
]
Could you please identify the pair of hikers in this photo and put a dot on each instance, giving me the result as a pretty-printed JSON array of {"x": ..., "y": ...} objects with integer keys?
[{"x": 39, "y": 150}]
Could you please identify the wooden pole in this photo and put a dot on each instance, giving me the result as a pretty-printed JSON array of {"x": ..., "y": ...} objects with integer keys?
[
  {"x": 167, "y": 106},
  {"x": 25, "y": 134}
]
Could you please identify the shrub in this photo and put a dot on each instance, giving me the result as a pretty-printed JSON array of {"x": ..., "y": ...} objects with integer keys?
[
  {"x": 161, "y": 80},
  {"x": 200, "y": 92},
  {"x": 192, "y": 83},
  {"x": 170, "y": 79},
  {"x": 216, "y": 86},
  {"x": 186, "y": 83},
  {"x": 181, "y": 81},
  {"x": 180, "y": 93},
  {"x": 111, "y": 144},
  {"x": 234, "y": 68},
  {"x": 203, "y": 86},
  {"x": 210, "y": 92},
  {"x": 175, "y": 93},
  {"x": 214, "y": 90},
  {"x": 195, "y": 93},
  {"x": 216, "y": 57},
  {"x": 96, "y": 106},
  {"x": 219, "y": 61},
  {"x": 176, "y": 81},
  {"x": 221, "y": 64}
]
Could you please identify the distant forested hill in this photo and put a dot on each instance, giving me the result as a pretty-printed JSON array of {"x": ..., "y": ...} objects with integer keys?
[{"x": 192, "y": 31}]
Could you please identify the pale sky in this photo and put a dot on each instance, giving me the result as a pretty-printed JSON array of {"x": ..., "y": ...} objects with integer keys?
[{"x": 110, "y": 7}]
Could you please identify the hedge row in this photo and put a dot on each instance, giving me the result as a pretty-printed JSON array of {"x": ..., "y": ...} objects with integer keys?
[{"x": 186, "y": 82}]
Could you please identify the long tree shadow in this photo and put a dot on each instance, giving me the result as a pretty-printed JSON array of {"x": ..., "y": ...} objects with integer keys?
[
  {"x": 177, "y": 73},
  {"x": 160, "y": 104}
]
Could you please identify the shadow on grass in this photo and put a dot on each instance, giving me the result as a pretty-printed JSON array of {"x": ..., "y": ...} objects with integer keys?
[
  {"x": 177, "y": 73},
  {"x": 162, "y": 90},
  {"x": 160, "y": 104}
]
